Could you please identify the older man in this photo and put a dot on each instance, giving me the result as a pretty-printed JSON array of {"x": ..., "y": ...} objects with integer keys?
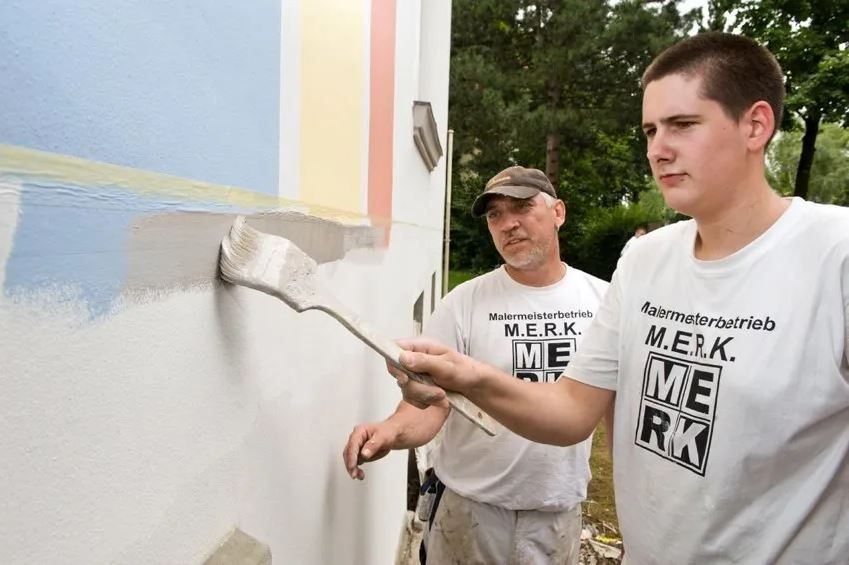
[{"x": 506, "y": 499}]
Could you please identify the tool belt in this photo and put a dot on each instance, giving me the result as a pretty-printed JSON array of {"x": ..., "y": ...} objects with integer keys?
[{"x": 430, "y": 494}]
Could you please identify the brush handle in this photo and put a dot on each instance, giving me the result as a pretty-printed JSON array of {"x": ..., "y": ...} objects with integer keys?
[
  {"x": 456, "y": 400},
  {"x": 392, "y": 353},
  {"x": 276, "y": 266}
]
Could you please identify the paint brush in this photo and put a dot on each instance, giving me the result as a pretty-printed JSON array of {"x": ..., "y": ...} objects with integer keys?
[{"x": 275, "y": 266}]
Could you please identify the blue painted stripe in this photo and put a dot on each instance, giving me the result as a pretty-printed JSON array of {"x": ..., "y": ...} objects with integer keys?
[
  {"x": 188, "y": 88},
  {"x": 71, "y": 241}
]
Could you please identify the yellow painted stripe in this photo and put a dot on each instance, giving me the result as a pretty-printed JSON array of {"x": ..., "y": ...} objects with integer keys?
[
  {"x": 53, "y": 167},
  {"x": 333, "y": 78},
  {"x": 27, "y": 163},
  {"x": 60, "y": 168}
]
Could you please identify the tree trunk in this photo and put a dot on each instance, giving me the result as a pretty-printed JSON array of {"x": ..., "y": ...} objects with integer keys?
[
  {"x": 552, "y": 143},
  {"x": 806, "y": 159},
  {"x": 552, "y": 158}
]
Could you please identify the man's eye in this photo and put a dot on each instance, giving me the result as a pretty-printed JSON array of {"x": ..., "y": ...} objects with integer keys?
[
  {"x": 649, "y": 133},
  {"x": 685, "y": 125}
]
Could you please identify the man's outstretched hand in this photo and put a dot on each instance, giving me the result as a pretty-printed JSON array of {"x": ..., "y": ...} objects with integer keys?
[{"x": 368, "y": 442}]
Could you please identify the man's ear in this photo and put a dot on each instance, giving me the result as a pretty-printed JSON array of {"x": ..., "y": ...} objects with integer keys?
[
  {"x": 761, "y": 122},
  {"x": 560, "y": 213}
]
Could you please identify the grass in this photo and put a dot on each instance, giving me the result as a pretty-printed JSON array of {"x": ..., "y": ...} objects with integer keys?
[
  {"x": 457, "y": 277},
  {"x": 599, "y": 508}
]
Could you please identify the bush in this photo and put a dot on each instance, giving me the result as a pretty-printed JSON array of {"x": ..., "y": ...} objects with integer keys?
[{"x": 595, "y": 244}]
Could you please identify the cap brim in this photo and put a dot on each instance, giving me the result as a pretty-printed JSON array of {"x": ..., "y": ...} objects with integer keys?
[{"x": 521, "y": 192}]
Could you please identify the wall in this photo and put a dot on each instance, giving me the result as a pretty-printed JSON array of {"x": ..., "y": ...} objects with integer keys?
[{"x": 148, "y": 409}]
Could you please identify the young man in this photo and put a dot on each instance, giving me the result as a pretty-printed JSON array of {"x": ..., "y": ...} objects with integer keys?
[
  {"x": 724, "y": 339},
  {"x": 507, "y": 500}
]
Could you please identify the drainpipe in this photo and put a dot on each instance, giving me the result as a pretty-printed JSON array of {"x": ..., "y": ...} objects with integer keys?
[{"x": 446, "y": 239}]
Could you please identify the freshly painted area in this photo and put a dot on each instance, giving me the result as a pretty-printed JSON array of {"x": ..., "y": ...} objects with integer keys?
[
  {"x": 187, "y": 88},
  {"x": 74, "y": 219},
  {"x": 333, "y": 84},
  {"x": 130, "y": 233},
  {"x": 173, "y": 251}
]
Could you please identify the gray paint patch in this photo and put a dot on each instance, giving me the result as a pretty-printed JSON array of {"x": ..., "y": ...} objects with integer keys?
[
  {"x": 180, "y": 250},
  {"x": 240, "y": 549}
]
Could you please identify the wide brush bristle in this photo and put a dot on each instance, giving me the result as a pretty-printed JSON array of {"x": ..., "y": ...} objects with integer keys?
[
  {"x": 237, "y": 251},
  {"x": 269, "y": 263}
]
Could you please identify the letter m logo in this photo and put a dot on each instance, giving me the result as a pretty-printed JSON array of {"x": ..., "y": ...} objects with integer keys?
[
  {"x": 665, "y": 379},
  {"x": 527, "y": 355}
]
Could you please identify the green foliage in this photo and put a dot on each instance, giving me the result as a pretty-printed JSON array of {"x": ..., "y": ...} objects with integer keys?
[
  {"x": 471, "y": 244},
  {"x": 830, "y": 173},
  {"x": 809, "y": 38},
  {"x": 522, "y": 71},
  {"x": 599, "y": 238}
]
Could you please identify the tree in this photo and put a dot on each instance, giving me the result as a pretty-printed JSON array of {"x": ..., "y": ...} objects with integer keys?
[
  {"x": 809, "y": 38},
  {"x": 551, "y": 84},
  {"x": 603, "y": 232},
  {"x": 830, "y": 170}
]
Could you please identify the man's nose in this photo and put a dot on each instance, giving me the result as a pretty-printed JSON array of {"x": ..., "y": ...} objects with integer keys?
[
  {"x": 508, "y": 222},
  {"x": 659, "y": 150}
]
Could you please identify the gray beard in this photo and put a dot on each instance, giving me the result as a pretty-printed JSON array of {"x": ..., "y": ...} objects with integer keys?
[{"x": 532, "y": 257}]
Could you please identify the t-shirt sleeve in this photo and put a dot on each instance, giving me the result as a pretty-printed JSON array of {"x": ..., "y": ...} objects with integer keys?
[
  {"x": 846, "y": 334},
  {"x": 846, "y": 312},
  {"x": 443, "y": 324},
  {"x": 844, "y": 287},
  {"x": 596, "y": 362}
]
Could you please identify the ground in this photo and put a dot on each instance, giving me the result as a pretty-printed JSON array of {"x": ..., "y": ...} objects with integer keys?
[{"x": 600, "y": 509}]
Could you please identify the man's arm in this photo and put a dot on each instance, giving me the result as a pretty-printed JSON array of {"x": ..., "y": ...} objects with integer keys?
[
  {"x": 416, "y": 427},
  {"x": 406, "y": 428},
  {"x": 561, "y": 413},
  {"x": 608, "y": 427}
]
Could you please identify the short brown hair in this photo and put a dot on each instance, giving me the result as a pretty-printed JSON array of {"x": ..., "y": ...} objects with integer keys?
[{"x": 736, "y": 71}]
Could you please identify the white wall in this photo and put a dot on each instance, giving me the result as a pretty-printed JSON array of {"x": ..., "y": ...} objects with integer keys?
[
  {"x": 422, "y": 59},
  {"x": 140, "y": 425},
  {"x": 146, "y": 436}
]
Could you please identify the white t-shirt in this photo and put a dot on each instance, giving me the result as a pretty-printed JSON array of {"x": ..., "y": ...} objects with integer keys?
[
  {"x": 732, "y": 380},
  {"x": 531, "y": 333},
  {"x": 631, "y": 241}
]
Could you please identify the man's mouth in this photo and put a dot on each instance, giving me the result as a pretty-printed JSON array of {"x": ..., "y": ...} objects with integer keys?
[
  {"x": 671, "y": 177},
  {"x": 513, "y": 241}
]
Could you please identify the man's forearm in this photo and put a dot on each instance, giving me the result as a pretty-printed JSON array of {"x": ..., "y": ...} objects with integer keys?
[
  {"x": 415, "y": 427},
  {"x": 561, "y": 413},
  {"x": 608, "y": 425}
]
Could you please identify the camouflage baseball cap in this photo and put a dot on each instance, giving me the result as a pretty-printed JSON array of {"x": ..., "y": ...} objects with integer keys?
[{"x": 517, "y": 182}]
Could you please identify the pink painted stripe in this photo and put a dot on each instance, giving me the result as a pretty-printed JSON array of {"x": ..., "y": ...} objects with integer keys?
[{"x": 381, "y": 109}]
